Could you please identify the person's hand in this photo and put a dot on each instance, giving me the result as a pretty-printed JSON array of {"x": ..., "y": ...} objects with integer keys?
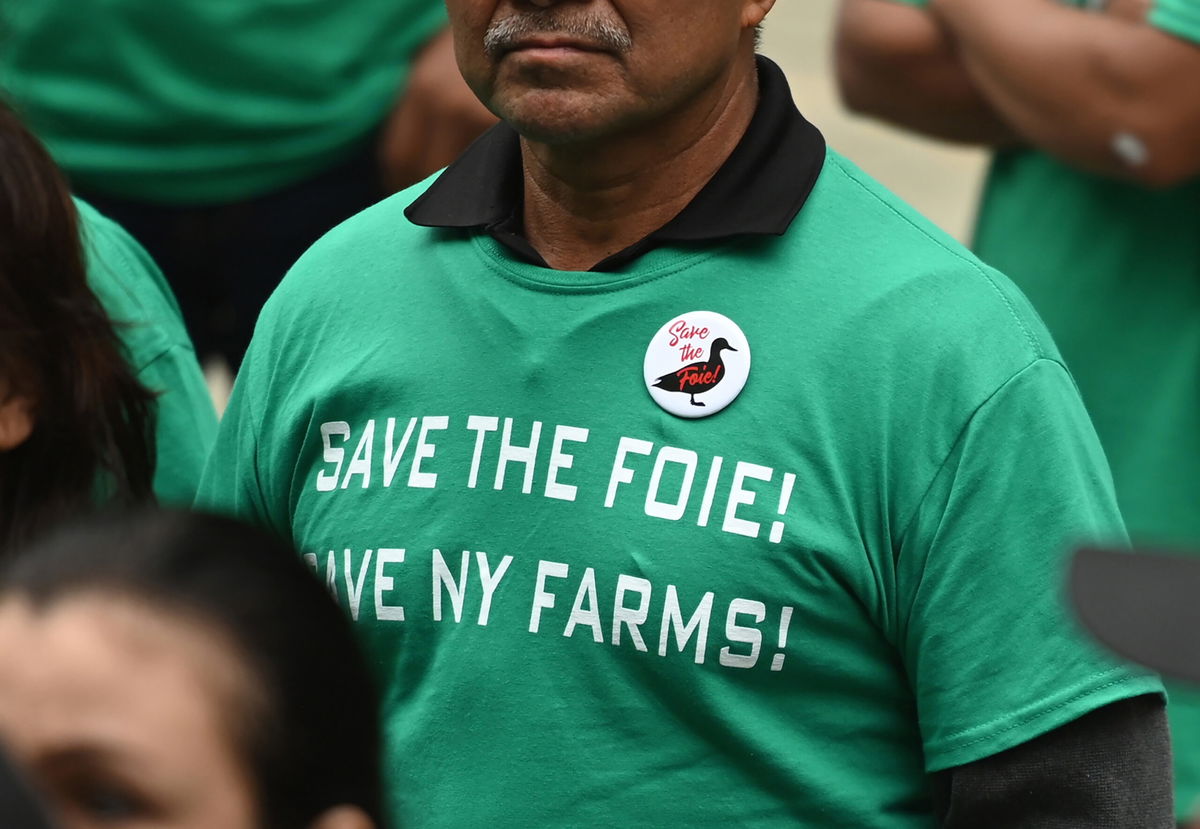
[{"x": 434, "y": 120}]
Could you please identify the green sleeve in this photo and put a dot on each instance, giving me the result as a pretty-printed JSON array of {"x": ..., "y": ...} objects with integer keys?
[
  {"x": 1178, "y": 17},
  {"x": 186, "y": 423},
  {"x": 232, "y": 483},
  {"x": 150, "y": 325},
  {"x": 992, "y": 651}
]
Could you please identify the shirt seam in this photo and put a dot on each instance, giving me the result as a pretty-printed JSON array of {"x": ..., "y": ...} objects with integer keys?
[
  {"x": 961, "y": 433},
  {"x": 1122, "y": 678},
  {"x": 117, "y": 251},
  {"x": 159, "y": 355},
  {"x": 629, "y": 281},
  {"x": 974, "y": 264},
  {"x": 94, "y": 251},
  {"x": 255, "y": 434}
]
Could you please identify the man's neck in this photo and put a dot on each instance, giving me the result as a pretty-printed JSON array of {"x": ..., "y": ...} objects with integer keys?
[{"x": 584, "y": 203}]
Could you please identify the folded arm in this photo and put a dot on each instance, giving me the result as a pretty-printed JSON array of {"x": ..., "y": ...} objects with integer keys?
[
  {"x": 898, "y": 63},
  {"x": 1105, "y": 92}
]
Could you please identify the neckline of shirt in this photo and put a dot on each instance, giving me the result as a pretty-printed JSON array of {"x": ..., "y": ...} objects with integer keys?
[{"x": 758, "y": 191}]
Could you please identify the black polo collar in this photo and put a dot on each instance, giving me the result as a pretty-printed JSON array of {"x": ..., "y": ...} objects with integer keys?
[{"x": 758, "y": 190}]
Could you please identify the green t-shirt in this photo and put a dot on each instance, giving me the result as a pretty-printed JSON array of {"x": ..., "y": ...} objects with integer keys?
[
  {"x": 1178, "y": 16},
  {"x": 1114, "y": 270},
  {"x": 206, "y": 101},
  {"x": 141, "y": 306},
  {"x": 586, "y": 611}
]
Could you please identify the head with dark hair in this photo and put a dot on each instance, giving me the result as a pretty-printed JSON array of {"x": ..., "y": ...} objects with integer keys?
[
  {"x": 235, "y": 628},
  {"x": 75, "y": 425}
]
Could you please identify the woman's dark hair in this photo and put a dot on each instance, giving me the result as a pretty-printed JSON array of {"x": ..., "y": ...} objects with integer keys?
[
  {"x": 309, "y": 735},
  {"x": 92, "y": 439}
]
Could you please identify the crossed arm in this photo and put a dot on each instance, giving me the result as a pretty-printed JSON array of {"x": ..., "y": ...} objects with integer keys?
[{"x": 1106, "y": 92}]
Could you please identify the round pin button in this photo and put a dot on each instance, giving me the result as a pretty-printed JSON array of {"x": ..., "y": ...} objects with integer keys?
[{"x": 697, "y": 364}]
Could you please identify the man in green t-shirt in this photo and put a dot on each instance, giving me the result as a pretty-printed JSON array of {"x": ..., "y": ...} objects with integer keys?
[
  {"x": 653, "y": 451},
  {"x": 1091, "y": 207},
  {"x": 228, "y": 135}
]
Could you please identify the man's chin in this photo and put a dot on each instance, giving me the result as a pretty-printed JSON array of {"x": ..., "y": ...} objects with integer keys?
[{"x": 558, "y": 121}]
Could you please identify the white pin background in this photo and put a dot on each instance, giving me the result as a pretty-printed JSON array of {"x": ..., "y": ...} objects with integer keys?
[{"x": 665, "y": 355}]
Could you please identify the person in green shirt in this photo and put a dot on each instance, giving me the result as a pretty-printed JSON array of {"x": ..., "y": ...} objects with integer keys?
[
  {"x": 1090, "y": 206},
  {"x": 653, "y": 451},
  {"x": 147, "y": 320},
  {"x": 101, "y": 398},
  {"x": 228, "y": 135}
]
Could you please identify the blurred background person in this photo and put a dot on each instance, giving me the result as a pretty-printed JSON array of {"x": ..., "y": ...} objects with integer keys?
[
  {"x": 97, "y": 376},
  {"x": 180, "y": 670},
  {"x": 227, "y": 135},
  {"x": 1091, "y": 206}
]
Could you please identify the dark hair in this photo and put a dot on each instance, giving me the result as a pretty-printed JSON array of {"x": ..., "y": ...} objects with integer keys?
[
  {"x": 92, "y": 438},
  {"x": 309, "y": 734}
]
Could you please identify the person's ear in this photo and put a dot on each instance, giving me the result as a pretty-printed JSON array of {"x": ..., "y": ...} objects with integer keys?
[
  {"x": 16, "y": 422},
  {"x": 343, "y": 817},
  {"x": 754, "y": 11}
]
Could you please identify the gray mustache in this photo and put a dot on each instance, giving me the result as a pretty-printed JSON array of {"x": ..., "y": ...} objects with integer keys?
[{"x": 503, "y": 35}]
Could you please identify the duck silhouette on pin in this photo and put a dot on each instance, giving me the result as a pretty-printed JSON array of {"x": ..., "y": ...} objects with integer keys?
[{"x": 697, "y": 378}]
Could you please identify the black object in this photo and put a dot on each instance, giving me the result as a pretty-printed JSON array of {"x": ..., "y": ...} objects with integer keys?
[
  {"x": 1145, "y": 606},
  {"x": 699, "y": 377}
]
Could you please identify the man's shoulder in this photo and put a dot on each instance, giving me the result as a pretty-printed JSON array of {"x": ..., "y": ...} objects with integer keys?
[
  {"x": 380, "y": 227},
  {"x": 115, "y": 260},
  {"x": 130, "y": 286},
  {"x": 354, "y": 254},
  {"x": 864, "y": 209},
  {"x": 362, "y": 267},
  {"x": 887, "y": 255}
]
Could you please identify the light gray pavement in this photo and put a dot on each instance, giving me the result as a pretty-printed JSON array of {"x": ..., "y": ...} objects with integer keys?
[{"x": 940, "y": 180}]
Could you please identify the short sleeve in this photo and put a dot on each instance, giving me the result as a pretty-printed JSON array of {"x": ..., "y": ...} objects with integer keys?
[
  {"x": 1177, "y": 17},
  {"x": 994, "y": 656},
  {"x": 231, "y": 483}
]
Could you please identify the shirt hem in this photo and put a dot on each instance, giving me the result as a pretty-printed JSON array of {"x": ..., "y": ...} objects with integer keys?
[{"x": 1034, "y": 720}]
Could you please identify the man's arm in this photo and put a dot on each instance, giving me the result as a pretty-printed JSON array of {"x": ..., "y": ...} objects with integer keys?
[
  {"x": 897, "y": 62},
  {"x": 995, "y": 660},
  {"x": 1109, "y": 769},
  {"x": 1100, "y": 91},
  {"x": 1105, "y": 92}
]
